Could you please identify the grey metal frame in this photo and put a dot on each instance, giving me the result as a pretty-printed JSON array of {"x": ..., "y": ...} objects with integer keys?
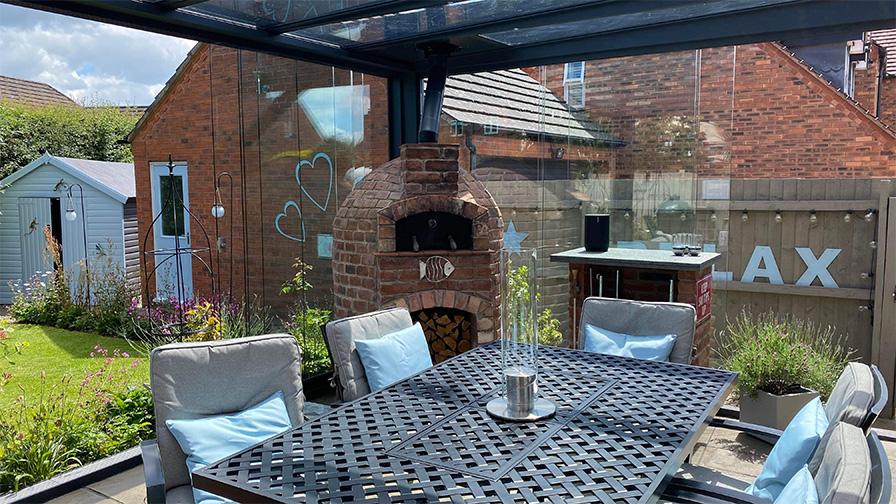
[
  {"x": 710, "y": 23},
  {"x": 687, "y": 491}
]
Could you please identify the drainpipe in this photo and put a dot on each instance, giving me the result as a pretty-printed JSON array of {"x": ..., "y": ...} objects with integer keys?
[
  {"x": 437, "y": 54},
  {"x": 471, "y": 147}
]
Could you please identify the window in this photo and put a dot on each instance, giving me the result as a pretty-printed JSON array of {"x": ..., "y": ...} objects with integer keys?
[
  {"x": 173, "y": 214},
  {"x": 457, "y": 128},
  {"x": 574, "y": 84},
  {"x": 490, "y": 128}
]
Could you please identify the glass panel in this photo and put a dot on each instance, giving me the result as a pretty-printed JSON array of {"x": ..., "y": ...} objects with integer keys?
[
  {"x": 421, "y": 21},
  {"x": 590, "y": 26},
  {"x": 266, "y": 12},
  {"x": 173, "y": 214}
]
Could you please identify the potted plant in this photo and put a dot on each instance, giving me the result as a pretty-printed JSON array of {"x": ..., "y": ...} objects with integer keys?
[{"x": 782, "y": 362}]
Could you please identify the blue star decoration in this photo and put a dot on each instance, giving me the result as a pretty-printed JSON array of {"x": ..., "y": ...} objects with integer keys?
[{"x": 513, "y": 239}]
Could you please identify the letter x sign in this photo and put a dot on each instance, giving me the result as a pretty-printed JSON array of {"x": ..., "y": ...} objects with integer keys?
[{"x": 762, "y": 264}]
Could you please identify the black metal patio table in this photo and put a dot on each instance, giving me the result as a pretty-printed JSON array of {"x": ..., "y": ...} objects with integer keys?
[{"x": 623, "y": 427}]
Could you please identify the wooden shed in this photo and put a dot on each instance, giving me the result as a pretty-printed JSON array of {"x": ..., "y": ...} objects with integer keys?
[{"x": 72, "y": 198}]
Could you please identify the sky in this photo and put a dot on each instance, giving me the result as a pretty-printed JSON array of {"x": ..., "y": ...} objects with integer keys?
[{"x": 88, "y": 61}]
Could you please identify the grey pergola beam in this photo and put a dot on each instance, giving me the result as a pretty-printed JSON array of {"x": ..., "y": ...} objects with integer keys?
[
  {"x": 591, "y": 10},
  {"x": 174, "y": 4}
]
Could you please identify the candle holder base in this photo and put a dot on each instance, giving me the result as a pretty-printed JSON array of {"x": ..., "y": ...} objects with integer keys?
[{"x": 541, "y": 410}]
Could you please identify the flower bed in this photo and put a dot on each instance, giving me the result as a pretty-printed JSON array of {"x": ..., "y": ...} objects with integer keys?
[{"x": 86, "y": 405}]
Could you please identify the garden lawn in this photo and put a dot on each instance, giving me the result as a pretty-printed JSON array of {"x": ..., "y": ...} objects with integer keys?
[{"x": 59, "y": 353}]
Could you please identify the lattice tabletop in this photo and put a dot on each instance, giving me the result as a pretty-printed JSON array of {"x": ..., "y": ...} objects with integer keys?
[{"x": 622, "y": 427}]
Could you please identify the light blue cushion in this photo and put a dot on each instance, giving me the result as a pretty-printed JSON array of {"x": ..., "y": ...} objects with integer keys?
[
  {"x": 792, "y": 451},
  {"x": 799, "y": 490},
  {"x": 394, "y": 357},
  {"x": 212, "y": 438},
  {"x": 655, "y": 348}
]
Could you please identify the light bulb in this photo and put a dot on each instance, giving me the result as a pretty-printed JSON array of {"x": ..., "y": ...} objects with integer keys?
[
  {"x": 812, "y": 217},
  {"x": 872, "y": 244},
  {"x": 745, "y": 216},
  {"x": 778, "y": 217},
  {"x": 713, "y": 217},
  {"x": 217, "y": 210},
  {"x": 70, "y": 215},
  {"x": 684, "y": 216},
  {"x": 848, "y": 217},
  {"x": 869, "y": 215},
  {"x": 627, "y": 215}
]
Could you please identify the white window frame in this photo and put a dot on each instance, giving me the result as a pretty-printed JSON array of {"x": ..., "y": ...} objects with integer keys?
[
  {"x": 490, "y": 128},
  {"x": 457, "y": 128},
  {"x": 574, "y": 85}
]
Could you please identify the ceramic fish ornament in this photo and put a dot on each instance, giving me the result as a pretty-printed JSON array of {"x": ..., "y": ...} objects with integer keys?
[{"x": 435, "y": 269}]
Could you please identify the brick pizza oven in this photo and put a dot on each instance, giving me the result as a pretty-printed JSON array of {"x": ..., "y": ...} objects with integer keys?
[{"x": 421, "y": 233}]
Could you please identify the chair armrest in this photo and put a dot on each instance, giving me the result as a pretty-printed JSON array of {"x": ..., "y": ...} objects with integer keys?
[
  {"x": 767, "y": 434},
  {"x": 690, "y": 491},
  {"x": 152, "y": 472}
]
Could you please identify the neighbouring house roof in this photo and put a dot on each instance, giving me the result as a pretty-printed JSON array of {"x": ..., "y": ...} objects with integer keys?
[
  {"x": 887, "y": 40},
  {"x": 514, "y": 101},
  {"x": 31, "y": 93},
  {"x": 510, "y": 99},
  {"x": 114, "y": 179}
]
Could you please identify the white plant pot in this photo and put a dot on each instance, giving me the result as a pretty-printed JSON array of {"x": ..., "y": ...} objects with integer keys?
[{"x": 772, "y": 410}]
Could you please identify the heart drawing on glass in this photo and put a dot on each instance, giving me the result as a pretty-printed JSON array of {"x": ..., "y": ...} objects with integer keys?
[
  {"x": 282, "y": 215},
  {"x": 305, "y": 164}
]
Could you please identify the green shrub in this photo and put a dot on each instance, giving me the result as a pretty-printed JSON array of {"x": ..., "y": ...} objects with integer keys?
[
  {"x": 781, "y": 354},
  {"x": 26, "y": 131},
  {"x": 548, "y": 327},
  {"x": 305, "y": 322},
  {"x": 47, "y": 299},
  {"x": 306, "y": 326}
]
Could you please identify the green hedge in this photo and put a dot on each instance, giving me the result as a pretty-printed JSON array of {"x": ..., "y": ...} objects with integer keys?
[{"x": 26, "y": 131}]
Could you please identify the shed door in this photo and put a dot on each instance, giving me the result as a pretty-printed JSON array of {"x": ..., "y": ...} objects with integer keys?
[{"x": 34, "y": 215}]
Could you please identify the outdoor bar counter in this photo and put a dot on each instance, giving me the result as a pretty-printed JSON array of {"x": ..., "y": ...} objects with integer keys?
[{"x": 643, "y": 275}]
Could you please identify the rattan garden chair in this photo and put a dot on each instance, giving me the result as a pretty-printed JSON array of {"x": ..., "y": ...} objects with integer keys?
[
  {"x": 642, "y": 318},
  {"x": 340, "y": 336},
  {"x": 193, "y": 380},
  {"x": 849, "y": 466}
]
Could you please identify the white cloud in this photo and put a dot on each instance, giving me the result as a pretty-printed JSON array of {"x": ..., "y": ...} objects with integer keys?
[{"x": 87, "y": 60}]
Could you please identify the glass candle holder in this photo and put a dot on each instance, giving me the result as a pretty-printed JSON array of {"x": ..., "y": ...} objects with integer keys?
[{"x": 518, "y": 331}]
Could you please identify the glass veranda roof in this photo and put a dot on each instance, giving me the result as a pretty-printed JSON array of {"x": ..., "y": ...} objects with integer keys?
[{"x": 389, "y": 37}]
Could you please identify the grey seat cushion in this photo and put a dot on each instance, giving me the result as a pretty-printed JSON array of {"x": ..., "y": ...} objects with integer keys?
[
  {"x": 193, "y": 380},
  {"x": 843, "y": 474},
  {"x": 179, "y": 495},
  {"x": 341, "y": 336},
  {"x": 852, "y": 395},
  {"x": 641, "y": 318}
]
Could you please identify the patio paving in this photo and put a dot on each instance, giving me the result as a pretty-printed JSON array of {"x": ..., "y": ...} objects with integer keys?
[{"x": 727, "y": 457}]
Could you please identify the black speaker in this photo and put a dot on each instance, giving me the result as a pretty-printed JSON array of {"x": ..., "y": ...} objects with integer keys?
[{"x": 597, "y": 232}]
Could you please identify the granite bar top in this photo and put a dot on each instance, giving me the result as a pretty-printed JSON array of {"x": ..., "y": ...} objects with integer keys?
[{"x": 638, "y": 258}]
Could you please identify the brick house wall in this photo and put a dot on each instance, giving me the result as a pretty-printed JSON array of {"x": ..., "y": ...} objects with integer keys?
[
  {"x": 772, "y": 111},
  {"x": 199, "y": 120}
]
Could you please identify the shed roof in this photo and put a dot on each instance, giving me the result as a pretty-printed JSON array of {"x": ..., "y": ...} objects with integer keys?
[
  {"x": 30, "y": 92},
  {"x": 115, "y": 179}
]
